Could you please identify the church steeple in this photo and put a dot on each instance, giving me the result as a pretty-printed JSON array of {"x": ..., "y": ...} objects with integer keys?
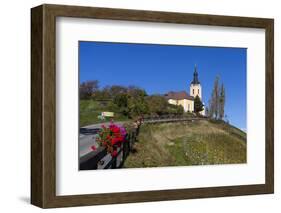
[{"x": 195, "y": 76}]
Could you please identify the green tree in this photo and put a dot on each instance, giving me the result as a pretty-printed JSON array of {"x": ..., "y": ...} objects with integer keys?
[
  {"x": 175, "y": 109},
  {"x": 216, "y": 97},
  {"x": 136, "y": 91},
  {"x": 198, "y": 105},
  {"x": 137, "y": 106},
  {"x": 101, "y": 95},
  {"x": 156, "y": 104},
  {"x": 136, "y": 101},
  {"x": 121, "y": 100},
  {"x": 221, "y": 102},
  {"x": 115, "y": 90}
]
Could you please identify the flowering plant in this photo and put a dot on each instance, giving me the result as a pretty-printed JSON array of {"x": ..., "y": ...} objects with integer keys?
[{"x": 111, "y": 137}]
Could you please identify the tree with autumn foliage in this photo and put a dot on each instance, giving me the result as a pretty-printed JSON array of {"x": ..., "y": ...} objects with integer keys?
[{"x": 87, "y": 88}]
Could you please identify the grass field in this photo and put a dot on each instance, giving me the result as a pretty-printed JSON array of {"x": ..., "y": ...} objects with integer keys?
[
  {"x": 89, "y": 110},
  {"x": 194, "y": 143}
]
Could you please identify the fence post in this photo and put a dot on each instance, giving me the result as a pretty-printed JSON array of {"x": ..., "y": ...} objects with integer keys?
[
  {"x": 126, "y": 147},
  {"x": 114, "y": 162},
  {"x": 91, "y": 160},
  {"x": 132, "y": 139}
]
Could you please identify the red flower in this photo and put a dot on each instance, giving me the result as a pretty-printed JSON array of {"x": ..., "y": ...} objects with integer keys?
[
  {"x": 114, "y": 141},
  {"x": 114, "y": 153},
  {"x": 116, "y": 129},
  {"x": 110, "y": 137},
  {"x": 94, "y": 148}
]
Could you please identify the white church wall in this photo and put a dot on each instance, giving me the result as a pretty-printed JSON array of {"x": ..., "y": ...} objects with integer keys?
[{"x": 188, "y": 105}]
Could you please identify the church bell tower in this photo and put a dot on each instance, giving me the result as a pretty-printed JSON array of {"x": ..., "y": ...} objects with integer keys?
[{"x": 195, "y": 87}]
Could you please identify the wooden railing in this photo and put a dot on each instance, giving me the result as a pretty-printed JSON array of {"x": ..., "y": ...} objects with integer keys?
[
  {"x": 100, "y": 159},
  {"x": 169, "y": 119}
]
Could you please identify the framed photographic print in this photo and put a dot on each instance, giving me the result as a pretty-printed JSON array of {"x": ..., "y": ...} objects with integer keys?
[{"x": 137, "y": 106}]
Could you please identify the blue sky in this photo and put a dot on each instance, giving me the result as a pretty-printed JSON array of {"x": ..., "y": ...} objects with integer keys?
[{"x": 162, "y": 68}]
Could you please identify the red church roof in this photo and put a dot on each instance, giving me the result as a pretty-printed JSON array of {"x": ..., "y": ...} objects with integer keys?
[{"x": 179, "y": 96}]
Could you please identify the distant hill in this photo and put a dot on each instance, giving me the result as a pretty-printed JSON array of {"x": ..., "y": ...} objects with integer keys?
[{"x": 201, "y": 142}]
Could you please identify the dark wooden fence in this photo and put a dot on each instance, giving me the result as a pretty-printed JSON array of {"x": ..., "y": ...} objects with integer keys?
[
  {"x": 100, "y": 159},
  {"x": 169, "y": 119}
]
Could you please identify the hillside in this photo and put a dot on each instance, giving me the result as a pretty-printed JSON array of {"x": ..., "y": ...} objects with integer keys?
[
  {"x": 89, "y": 110},
  {"x": 195, "y": 143}
]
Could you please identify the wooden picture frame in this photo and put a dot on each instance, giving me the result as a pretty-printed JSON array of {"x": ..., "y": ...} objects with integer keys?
[{"x": 43, "y": 105}]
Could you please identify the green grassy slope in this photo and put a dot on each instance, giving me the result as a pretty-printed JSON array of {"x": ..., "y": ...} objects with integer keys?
[
  {"x": 90, "y": 109},
  {"x": 194, "y": 143}
]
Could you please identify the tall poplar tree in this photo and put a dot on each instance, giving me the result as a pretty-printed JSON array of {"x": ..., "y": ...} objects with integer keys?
[
  {"x": 216, "y": 97},
  {"x": 214, "y": 101},
  {"x": 217, "y": 101},
  {"x": 221, "y": 102}
]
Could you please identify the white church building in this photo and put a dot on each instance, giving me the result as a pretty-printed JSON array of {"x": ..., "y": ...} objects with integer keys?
[{"x": 187, "y": 100}]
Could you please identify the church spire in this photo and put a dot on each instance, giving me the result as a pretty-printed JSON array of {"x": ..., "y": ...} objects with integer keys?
[{"x": 195, "y": 76}]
